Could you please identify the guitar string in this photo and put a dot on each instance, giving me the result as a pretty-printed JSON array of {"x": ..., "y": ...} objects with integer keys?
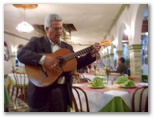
[{"x": 71, "y": 56}]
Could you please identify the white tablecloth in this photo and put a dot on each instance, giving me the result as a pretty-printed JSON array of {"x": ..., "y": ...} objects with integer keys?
[{"x": 97, "y": 100}]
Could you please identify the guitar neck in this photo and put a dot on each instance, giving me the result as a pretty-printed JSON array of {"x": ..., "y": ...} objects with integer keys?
[
  {"x": 86, "y": 50},
  {"x": 78, "y": 53}
]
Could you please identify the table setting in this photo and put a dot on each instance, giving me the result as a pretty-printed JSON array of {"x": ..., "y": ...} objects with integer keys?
[{"x": 104, "y": 95}]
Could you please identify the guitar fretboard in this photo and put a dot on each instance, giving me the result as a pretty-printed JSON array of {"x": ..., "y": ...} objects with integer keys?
[{"x": 79, "y": 53}]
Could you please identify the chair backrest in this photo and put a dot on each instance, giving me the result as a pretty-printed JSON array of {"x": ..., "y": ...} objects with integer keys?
[
  {"x": 140, "y": 101},
  {"x": 78, "y": 100},
  {"x": 20, "y": 79},
  {"x": 21, "y": 82},
  {"x": 80, "y": 78}
]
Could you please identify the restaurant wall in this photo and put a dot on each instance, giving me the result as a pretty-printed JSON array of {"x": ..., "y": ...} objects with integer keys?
[
  {"x": 131, "y": 19},
  {"x": 13, "y": 43}
]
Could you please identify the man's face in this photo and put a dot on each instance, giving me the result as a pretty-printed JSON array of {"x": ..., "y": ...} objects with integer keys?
[{"x": 55, "y": 31}]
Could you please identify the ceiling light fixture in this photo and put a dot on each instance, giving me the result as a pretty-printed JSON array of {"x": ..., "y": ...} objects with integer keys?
[{"x": 25, "y": 26}]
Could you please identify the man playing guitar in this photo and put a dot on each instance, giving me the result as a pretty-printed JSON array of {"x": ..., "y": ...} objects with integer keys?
[{"x": 49, "y": 64}]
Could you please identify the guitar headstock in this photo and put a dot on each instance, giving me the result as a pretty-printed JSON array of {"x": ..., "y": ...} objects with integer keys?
[{"x": 106, "y": 43}]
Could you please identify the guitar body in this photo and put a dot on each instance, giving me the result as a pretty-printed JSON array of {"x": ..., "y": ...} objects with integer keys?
[
  {"x": 35, "y": 73},
  {"x": 67, "y": 63}
]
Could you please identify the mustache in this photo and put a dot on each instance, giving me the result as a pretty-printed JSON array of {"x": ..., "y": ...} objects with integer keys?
[{"x": 58, "y": 34}]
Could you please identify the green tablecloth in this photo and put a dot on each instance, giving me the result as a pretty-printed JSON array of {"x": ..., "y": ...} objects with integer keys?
[
  {"x": 7, "y": 100},
  {"x": 117, "y": 104}
]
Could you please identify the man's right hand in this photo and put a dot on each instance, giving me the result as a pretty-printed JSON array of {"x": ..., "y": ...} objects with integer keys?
[{"x": 51, "y": 63}]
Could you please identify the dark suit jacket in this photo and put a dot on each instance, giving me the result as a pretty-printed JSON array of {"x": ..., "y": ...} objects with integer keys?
[{"x": 30, "y": 54}]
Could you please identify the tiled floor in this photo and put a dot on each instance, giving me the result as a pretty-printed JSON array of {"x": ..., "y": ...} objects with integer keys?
[{"x": 20, "y": 105}]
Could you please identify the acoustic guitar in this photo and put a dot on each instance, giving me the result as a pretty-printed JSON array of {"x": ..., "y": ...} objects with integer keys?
[{"x": 41, "y": 76}]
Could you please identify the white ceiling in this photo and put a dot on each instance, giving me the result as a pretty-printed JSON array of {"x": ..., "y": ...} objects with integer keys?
[{"x": 92, "y": 21}]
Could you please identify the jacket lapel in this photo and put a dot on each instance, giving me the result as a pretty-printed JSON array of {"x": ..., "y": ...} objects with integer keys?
[
  {"x": 46, "y": 44},
  {"x": 62, "y": 45}
]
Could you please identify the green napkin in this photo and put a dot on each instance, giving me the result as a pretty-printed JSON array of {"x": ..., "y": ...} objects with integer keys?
[
  {"x": 96, "y": 83},
  {"x": 122, "y": 79},
  {"x": 95, "y": 87},
  {"x": 128, "y": 83}
]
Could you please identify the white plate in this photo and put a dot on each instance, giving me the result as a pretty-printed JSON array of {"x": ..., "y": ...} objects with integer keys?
[{"x": 142, "y": 84}]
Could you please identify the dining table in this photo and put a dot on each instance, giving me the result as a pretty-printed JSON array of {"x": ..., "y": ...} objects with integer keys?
[{"x": 110, "y": 98}]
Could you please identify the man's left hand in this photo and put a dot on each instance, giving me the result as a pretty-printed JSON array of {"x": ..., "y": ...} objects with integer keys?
[{"x": 96, "y": 49}]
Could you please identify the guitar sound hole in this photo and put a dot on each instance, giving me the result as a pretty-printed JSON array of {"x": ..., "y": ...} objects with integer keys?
[{"x": 61, "y": 61}]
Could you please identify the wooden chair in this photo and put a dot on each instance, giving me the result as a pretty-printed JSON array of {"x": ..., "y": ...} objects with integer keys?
[
  {"x": 79, "y": 107},
  {"x": 80, "y": 78},
  {"x": 142, "y": 100},
  {"x": 20, "y": 88}
]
